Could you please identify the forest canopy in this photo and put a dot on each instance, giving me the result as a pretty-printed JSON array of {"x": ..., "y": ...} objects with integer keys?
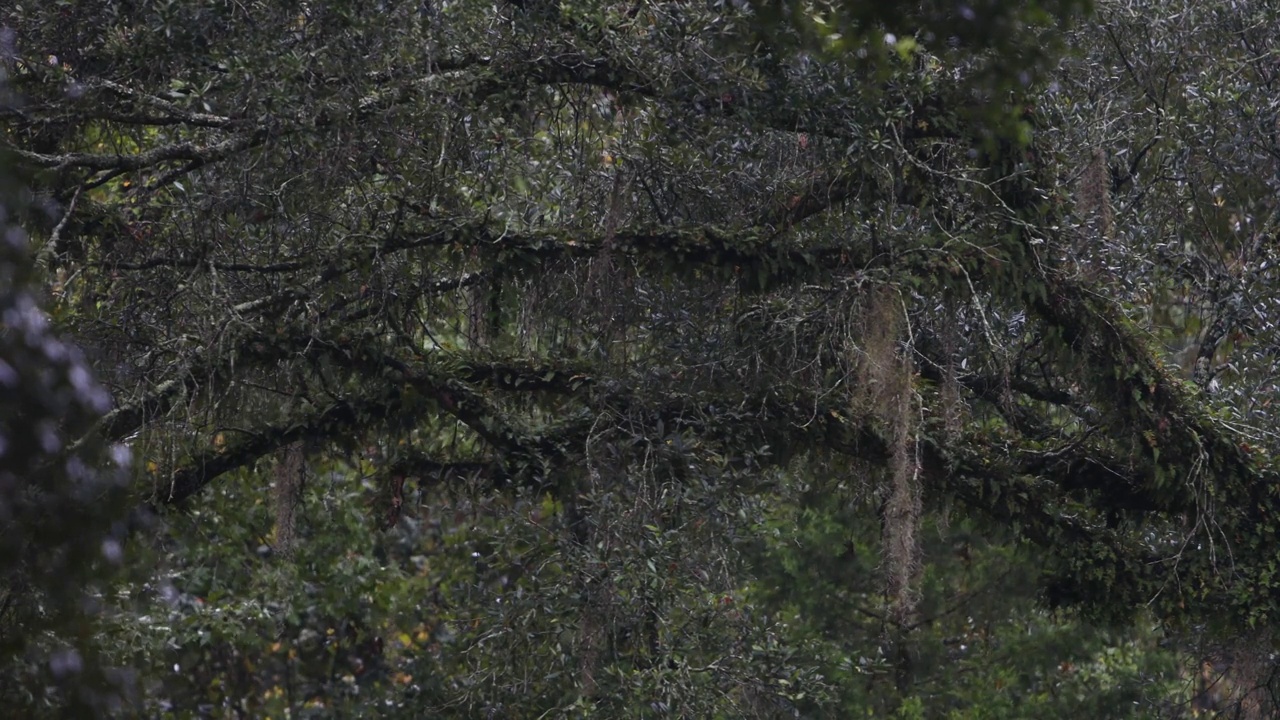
[{"x": 639, "y": 359}]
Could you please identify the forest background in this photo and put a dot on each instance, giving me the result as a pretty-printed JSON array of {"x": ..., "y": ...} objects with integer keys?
[{"x": 654, "y": 358}]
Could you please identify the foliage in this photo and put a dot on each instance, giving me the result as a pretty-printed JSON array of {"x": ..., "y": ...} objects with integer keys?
[
  {"x": 670, "y": 358},
  {"x": 62, "y": 500},
  {"x": 1014, "y": 41}
]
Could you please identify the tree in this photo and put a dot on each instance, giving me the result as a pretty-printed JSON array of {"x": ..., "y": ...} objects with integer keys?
[
  {"x": 610, "y": 283},
  {"x": 62, "y": 500}
]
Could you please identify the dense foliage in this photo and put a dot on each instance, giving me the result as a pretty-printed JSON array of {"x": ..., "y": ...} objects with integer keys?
[
  {"x": 62, "y": 498},
  {"x": 643, "y": 359}
]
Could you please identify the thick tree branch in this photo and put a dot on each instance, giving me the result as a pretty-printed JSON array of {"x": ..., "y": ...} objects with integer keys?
[
  {"x": 339, "y": 417},
  {"x": 1106, "y": 572}
]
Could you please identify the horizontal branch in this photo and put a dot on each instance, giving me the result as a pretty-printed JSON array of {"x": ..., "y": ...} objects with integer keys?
[
  {"x": 441, "y": 381},
  {"x": 183, "y": 151},
  {"x": 426, "y": 467},
  {"x": 332, "y": 421},
  {"x": 192, "y": 262},
  {"x": 172, "y": 113}
]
